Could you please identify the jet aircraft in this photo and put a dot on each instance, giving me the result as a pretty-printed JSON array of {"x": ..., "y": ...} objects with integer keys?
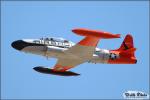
[{"x": 70, "y": 55}]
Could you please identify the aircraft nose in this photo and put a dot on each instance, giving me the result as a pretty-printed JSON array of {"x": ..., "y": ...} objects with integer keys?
[{"x": 18, "y": 45}]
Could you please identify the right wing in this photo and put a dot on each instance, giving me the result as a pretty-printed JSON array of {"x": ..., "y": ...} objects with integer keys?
[{"x": 86, "y": 47}]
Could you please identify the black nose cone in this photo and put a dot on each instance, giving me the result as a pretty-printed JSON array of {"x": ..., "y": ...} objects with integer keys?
[{"x": 18, "y": 45}]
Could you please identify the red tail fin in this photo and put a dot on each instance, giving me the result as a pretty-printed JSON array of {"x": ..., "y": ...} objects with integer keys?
[
  {"x": 127, "y": 43},
  {"x": 126, "y": 52},
  {"x": 127, "y": 46}
]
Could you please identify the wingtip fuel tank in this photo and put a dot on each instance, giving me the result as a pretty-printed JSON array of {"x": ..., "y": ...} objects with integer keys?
[
  {"x": 95, "y": 33},
  {"x": 51, "y": 71}
]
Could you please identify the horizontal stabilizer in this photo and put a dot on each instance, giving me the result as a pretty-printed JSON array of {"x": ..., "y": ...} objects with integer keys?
[
  {"x": 51, "y": 71},
  {"x": 95, "y": 33}
]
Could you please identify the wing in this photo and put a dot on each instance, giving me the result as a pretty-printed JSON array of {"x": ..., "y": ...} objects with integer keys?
[
  {"x": 65, "y": 64},
  {"x": 86, "y": 47},
  {"x": 83, "y": 50}
]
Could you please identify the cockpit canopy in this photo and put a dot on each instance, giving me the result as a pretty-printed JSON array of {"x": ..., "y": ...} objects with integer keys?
[
  {"x": 52, "y": 41},
  {"x": 55, "y": 39}
]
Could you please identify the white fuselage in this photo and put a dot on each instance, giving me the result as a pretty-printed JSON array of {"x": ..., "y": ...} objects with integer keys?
[
  {"x": 56, "y": 49},
  {"x": 99, "y": 56}
]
